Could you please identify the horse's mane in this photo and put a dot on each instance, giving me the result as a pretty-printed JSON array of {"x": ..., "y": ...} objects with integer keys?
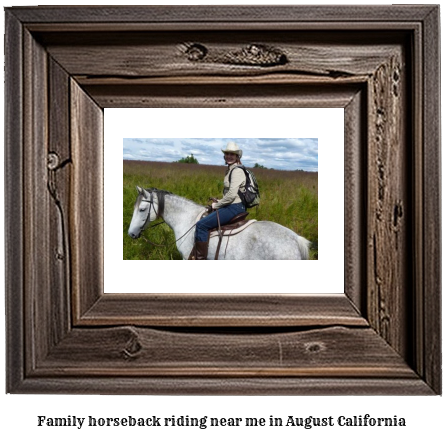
[{"x": 161, "y": 198}]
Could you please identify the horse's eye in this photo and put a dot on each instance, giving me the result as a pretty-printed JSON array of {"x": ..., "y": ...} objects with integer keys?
[{"x": 143, "y": 209}]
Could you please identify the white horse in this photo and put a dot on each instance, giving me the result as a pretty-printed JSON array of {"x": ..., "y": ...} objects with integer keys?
[{"x": 262, "y": 240}]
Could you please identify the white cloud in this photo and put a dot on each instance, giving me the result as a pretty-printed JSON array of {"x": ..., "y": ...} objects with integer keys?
[{"x": 277, "y": 153}]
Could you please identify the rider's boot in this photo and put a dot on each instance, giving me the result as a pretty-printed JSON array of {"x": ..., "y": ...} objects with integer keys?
[{"x": 200, "y": 251}]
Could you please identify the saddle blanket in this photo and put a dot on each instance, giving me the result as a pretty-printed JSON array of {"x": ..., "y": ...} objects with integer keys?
[{"x": 233, "y": 231}]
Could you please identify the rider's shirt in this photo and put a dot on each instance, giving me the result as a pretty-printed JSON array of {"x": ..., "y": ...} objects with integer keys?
[{"x": 230, "y": 192}]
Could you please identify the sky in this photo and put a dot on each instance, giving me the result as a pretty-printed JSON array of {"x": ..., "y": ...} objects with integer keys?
[{"x": 273, "y": 153}]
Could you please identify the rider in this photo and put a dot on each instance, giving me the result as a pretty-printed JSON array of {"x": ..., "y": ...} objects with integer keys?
[{"x": 228, "y": 207}]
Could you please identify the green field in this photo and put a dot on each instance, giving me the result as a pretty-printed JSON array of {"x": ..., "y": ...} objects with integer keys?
[{"x": 289, "y": 198}]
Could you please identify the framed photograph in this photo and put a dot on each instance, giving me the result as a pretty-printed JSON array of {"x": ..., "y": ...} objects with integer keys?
[
  {"x": 377, "y": 332},
  {"x": 192, "y": 171}
]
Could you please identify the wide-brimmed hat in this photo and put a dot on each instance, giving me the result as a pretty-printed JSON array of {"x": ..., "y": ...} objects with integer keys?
[{"x": 233, "y": 148}]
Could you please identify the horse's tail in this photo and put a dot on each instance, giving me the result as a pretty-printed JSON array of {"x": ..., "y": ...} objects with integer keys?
[{"x": 303, "y": 245}]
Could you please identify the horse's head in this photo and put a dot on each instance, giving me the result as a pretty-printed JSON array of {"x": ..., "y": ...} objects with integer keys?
[{"x": 146, "y": 210}]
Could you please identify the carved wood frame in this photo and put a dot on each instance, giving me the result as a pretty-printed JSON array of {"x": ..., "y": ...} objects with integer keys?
[{"x": 64, "y": 335}]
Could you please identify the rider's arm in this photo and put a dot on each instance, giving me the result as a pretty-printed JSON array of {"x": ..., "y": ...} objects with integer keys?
[{"x": 238, "y": 179}]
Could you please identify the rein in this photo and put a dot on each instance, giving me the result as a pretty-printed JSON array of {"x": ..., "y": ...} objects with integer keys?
[
  {"x": 149, "y": 241},
  {"x": 161, "y": 207},
  {"x": 157, "y": 244}
]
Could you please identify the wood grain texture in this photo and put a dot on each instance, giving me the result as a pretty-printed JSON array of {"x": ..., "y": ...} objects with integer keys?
[
  {"x": 288, "y": 386},
  {"x": 431, "y": 317},
  {"x": 239, "y": 310},
  {"x": 355, "y": 194},
  {"x": 418, "y": 358},
  {"x": 64, "y": 335},
  {"x": 129, "y": 351},
  {"x": 223, "y": 14},
  {"x": 14, "y": 238},
  {"x": 388, "y": 204},
  {"x": 224, "y": 96},
  {"x": 59, "y": 166},
  {"x": 86, "y": 226},
  {"x": 38, "y": 307},
  {"x": 170, "y": 54}
]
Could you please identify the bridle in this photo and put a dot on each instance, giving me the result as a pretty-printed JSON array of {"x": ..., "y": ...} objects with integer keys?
[
  {"x": 151, "y": 205},
  {"x": 161, "y": 206},
  {"x": 159, "y": 213}
]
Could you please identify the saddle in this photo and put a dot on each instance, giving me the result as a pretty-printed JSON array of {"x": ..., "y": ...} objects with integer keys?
[
  {"x": 235, "y": 222},
  {"x": 236, "y": 225}
]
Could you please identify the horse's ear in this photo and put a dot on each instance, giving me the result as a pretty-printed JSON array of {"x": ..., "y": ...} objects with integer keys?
[
  {"x": 146, "y": 194},
  {"x": 139, "y": 190}
]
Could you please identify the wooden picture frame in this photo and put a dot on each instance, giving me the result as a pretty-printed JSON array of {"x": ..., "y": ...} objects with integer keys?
[{"x": 65, "y": 64}]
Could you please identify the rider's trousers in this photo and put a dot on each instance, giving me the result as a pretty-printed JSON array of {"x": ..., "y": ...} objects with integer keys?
[{"x": 225, "y": 213}]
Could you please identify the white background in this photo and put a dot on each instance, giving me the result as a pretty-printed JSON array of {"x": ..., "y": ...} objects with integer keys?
[
  {"x": 326, "y": 124},
  {"x": 19, "y": 412}
]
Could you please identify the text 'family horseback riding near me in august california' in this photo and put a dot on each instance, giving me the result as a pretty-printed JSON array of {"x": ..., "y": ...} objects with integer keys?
[{"x": 204, "y": 422}]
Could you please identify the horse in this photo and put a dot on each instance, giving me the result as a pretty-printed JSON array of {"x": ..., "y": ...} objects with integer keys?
[{"x": 262, "y": 240}]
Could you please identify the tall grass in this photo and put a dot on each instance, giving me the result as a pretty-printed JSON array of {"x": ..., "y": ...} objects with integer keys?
[{"x": 289, "y": 198}]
